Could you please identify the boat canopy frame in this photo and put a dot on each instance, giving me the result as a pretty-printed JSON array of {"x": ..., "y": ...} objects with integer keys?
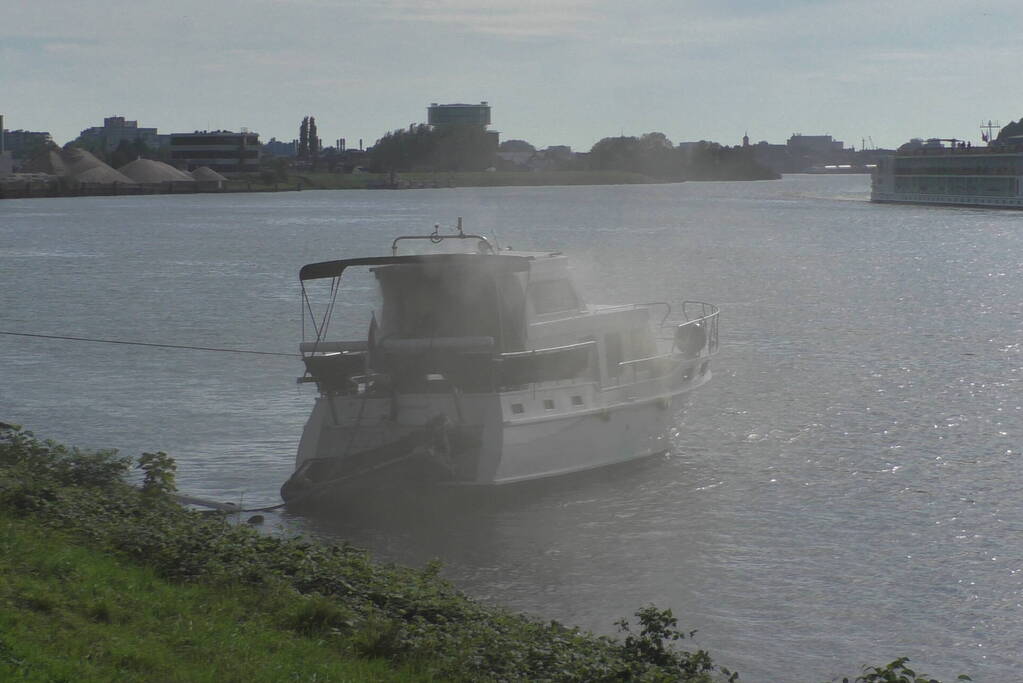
[
  {"x": 504, "y": 263},
  {"x": 495, "y": 264},
  {"x": 498, "y": 262}
]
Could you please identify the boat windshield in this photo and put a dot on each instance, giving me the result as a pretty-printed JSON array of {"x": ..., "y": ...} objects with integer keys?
[{"x": 423, "y": 301}]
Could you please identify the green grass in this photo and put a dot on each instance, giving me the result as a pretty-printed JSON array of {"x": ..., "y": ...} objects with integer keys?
[
  {"x": 71, "y": 613},
  {"x": 101, "y": 580}
]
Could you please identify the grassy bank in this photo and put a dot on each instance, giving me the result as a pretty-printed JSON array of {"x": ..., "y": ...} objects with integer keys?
[
  {"x": 121, "y": 580},
  {"x": 102, "y": 580},
  {"x": 71, "y": 613}
]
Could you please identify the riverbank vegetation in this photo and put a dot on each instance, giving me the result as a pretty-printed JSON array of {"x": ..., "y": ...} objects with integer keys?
[
  {"x": 652, "y": 155},
  {"x": 102, "y": 579},
  {"x": 108, "y": 581},
  {"x": 423, "y": 179}
]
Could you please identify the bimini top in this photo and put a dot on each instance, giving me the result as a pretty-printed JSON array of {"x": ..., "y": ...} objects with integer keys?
[{"x": 498, "y": 263}]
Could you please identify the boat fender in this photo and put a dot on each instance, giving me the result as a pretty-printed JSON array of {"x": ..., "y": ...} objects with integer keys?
[{"x": 690, "y": 339}]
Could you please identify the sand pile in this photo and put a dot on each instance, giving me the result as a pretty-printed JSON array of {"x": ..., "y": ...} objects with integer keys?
[
  {"x": 205, "y": 174},
  {"x": 149, "y": 171},
  {"x": 47, "y": 161},
  {"x": 82, "y": 167}
]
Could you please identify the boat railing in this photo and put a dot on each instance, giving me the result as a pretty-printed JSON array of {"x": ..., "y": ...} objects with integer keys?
[
  {"x": 483, "y": 245},
  {"x": 468, "y": 363},
  {"x": 698, "y": 334},
  {"x": 692, "y": 342},
  {"x": 638, "y": 369},
  {"x": 552, "y": 364},
  {"x": 472, "y": 364},
  {"x": 641, "y": 305}
]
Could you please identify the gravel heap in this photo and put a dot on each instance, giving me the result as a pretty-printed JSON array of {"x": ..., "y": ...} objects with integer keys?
[{"x": 149, "y": 171}]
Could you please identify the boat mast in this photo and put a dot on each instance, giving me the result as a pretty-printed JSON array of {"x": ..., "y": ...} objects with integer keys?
[{"x": 986, "y": 129}]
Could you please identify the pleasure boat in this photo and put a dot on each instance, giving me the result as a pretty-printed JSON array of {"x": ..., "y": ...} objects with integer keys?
[{"x": 485, "y": 368}]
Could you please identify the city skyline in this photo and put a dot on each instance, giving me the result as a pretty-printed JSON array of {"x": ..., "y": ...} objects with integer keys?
[{"x": 557, "y": 72}]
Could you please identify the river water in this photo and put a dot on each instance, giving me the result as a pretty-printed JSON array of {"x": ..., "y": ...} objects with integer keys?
[{"x": 845, "y": 490}]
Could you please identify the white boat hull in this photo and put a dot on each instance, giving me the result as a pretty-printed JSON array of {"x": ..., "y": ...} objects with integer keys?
[{"x": 503, "y": 448}]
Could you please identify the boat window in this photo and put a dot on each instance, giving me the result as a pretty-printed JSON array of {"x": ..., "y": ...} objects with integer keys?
[
  {"x": 518, "y": 408},
  {"x": 612, "y": 352},
  {"x": 424, "y": 302},
  {"x": 577, "y": 400},
  {"x": 513, "y": 312},
  {"x": 548, "y": 404},
  {"x": 553, "y": 296}
]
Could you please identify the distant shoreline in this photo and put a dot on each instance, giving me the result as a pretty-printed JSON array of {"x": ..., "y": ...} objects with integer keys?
[{"x": 36, "y": 188}]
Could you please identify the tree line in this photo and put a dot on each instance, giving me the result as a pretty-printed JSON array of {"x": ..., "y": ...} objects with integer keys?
[
  {"x": 472, "y": 148},
  {"x": 425, "y": 148},
  {"x": 654, "y": 155}
]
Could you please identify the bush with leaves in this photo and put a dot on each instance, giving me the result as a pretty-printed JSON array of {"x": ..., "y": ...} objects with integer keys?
[
  {"x": 896, "y": 672},
  {"x": 370, "y": 609}
]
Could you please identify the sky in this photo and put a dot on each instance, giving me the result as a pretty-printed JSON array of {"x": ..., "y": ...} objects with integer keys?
[{"x": 555, "y": 72}]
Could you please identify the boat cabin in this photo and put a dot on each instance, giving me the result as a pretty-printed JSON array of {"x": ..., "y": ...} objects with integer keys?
[{"x": 480, "y": 323}]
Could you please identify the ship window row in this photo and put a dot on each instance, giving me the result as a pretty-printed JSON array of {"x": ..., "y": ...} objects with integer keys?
[
  {"x": 960, "y": 166},
  {"x": 214, "y": 154},
  {"x": 1005, "y": 170},
  {"x": 235, "y": 140},
  {"x": 549, "y": 404},
  {"x": 989, "y": 187}
]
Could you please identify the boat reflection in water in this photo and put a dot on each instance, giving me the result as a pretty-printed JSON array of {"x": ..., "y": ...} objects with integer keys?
[{"x": 484, "y": 369}]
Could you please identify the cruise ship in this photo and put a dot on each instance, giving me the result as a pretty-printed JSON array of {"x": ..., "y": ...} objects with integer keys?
[{"x": 953, "y": 173}]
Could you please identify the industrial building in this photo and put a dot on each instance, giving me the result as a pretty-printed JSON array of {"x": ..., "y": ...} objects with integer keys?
[
  {"x": 439, "y": 115},
  {"x": 220, "y": 150},
  {"x": 115, "y": 130}
]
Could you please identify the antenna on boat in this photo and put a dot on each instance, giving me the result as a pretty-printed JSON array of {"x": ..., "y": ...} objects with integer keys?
[{"x": 986, "y": 129}]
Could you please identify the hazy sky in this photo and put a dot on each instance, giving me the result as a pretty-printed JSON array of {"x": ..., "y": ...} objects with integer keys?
[{"x": 554, "y": 71}]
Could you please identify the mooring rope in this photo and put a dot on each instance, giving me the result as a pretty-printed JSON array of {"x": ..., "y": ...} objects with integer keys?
[{"x": 136, "y": 343}]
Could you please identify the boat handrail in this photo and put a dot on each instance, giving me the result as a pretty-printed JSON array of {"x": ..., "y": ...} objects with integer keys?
[
  {"x": 546, "y": 351},
  {"x": 436, "y": 238},
  {"x": 417, "y": 344},
  {"x": 706, "y": 319},
  {"x": 706, "y": 311},
  {"x": 648, "y": 359},
  {"x": 644, "y": 304}
]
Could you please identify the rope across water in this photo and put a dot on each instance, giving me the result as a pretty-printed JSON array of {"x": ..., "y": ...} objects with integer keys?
[{"x": 137, "y": 343}]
